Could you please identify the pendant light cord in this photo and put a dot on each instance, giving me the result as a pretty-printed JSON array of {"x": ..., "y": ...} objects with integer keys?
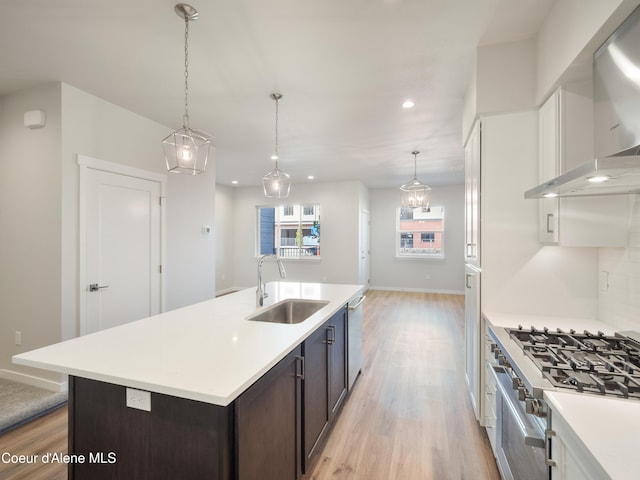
[
  {"x": 415, "y": 165},
  {"x": 186, "y": 72},
  {"x": 276, "y": 152}
]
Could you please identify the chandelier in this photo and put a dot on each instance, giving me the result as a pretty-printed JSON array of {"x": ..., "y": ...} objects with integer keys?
[{"x": 415, "y": 194}]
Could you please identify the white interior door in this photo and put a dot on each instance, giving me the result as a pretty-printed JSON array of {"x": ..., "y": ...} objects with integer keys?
[
  {"x": 364, "y": 248},
  {"x": 122, "y": 277}
]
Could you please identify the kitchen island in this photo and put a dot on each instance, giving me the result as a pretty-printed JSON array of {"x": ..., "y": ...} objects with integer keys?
[{"x": 202, "y": 391}]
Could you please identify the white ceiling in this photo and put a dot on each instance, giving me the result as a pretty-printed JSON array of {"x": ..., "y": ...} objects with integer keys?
[{"x": 344, "y": 68}]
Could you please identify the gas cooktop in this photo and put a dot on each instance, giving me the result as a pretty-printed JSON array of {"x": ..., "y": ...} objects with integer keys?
[{"x": 584, "y": 362}]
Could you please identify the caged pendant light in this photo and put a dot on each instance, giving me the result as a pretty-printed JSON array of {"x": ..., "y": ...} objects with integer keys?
[
  {"x": 276, "y": 183},
  {"x": 186, "y": 150},
  {"x": 415, "y": 194}
]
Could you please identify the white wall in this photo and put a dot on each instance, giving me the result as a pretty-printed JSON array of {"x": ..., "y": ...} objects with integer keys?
[
  {"x": 39, "y": 213},
  {"x": 570, "y": 34},
  {"x": 99, "y": 129},
  {"x": 30, "y": 226},
  {"x": 339, "y": 237},
  {"x": 619, "y": 277},
  {"x": 393, "y": 273}
]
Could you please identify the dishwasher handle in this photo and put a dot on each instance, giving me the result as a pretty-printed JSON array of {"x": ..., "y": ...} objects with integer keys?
[{"x": 360, "y": 301}]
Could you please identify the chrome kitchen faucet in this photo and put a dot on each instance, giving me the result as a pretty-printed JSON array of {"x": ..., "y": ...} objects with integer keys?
[{"x": 261, "y": 293}]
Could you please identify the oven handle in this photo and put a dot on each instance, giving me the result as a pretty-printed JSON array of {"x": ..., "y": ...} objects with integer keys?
[{"x": 529, "y": 437}]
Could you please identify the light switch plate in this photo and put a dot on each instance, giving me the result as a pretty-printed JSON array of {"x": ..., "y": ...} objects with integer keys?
[{"x": 139, "y": 399}]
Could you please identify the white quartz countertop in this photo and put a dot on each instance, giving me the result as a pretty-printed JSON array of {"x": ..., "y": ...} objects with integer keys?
[
  {"x": 207, "y": 352},
  {"x": 607, "y": 429}
]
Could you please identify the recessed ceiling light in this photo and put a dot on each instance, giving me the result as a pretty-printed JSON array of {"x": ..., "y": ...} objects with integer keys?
[
  {"x": 235, "y": 182},
  {"x": 310, "y": 177},
  {"x": 408, "y": 104}
]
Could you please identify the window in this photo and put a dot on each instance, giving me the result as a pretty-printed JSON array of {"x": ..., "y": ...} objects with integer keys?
[
  {"x": 420, "y": 234},
  {"x": 290, "y": 231}
]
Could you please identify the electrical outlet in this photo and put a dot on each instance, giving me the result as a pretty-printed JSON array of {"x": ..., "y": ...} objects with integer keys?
[
  {"x": 18, "y": 338},
  {"x": 139, "y": 399}
]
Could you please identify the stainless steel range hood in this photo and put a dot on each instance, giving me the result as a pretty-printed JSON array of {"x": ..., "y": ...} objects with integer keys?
[
  {"x": 602, "y": 176},
  {"x": 616, "y": 96}
]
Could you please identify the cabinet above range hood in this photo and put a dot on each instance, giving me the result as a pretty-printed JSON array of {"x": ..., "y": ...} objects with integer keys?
[{"x": 616, "y": 96}]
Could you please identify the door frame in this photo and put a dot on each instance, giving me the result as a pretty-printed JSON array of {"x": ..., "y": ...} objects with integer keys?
[
  {"x": 364, "y": 274},
  {"x": 85, "y": 163}
]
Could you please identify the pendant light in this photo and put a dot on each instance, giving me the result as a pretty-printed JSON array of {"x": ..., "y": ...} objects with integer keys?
[
  {"x": 415, "y": 194},
  {"x": 276, "y": 184},
  {"x": 186, "y": 150}
]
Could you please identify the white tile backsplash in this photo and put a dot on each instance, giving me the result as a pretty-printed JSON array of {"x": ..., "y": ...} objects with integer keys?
[{"x": 619, "y": 304}]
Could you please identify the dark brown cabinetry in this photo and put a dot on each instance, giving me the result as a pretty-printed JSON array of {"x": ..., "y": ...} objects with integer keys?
[
  {"x": 270, "y": 432},
  {"x": 325, "y": 383},
  {"x": 178, "y": 438},
  {"x": 337, "y": 362},
  {"x": 269, "y": 424}
]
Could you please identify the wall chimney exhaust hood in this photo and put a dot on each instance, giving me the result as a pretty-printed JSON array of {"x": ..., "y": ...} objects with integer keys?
[
  {"x": 616, "y": 108},
  {"x": 602, "y": 176}
]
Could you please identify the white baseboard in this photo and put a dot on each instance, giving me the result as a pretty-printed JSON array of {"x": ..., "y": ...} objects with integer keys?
[
  {"x": 226, "y": 291},
  {"x": 417, "y": 290},
  {"x": 51, "y": 385}
]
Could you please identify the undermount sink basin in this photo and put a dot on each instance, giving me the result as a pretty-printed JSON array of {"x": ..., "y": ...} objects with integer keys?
[{"x": 288, "y": 311}]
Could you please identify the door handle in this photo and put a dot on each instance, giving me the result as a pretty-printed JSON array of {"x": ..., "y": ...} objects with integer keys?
[
  {"x": 94, "y": 287},
  {"x": 332, "y": 339},
  {"x": 467, "y": 284}
]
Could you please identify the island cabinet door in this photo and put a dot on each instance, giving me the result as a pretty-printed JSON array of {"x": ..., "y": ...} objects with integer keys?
[
  {"x": 337, "y": 361},
  {"x": 268, "y": 424},
  {"x": 315, "y": 392},
  {"x": 176, "y": 438}
]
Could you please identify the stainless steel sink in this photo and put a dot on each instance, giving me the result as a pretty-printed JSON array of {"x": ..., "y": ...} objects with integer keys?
[{"x": 288, "y": 311}]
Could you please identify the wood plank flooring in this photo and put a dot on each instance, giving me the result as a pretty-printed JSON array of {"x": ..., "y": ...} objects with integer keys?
[
  {"x": 408, "y": 417},
  {"x": 47, "y": 434}
]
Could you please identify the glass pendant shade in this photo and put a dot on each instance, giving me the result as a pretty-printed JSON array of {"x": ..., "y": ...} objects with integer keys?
[
  {"x": 276, "y": 184},
  {"x": 415, "y": 194},
  {"x": 187, "y": 151}
]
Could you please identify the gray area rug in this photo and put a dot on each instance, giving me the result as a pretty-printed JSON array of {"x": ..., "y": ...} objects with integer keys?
[{"x": 20, "y": 403}]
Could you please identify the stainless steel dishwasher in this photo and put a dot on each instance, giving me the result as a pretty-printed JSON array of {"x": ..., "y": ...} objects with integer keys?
[{"x": 355, "y": 339}]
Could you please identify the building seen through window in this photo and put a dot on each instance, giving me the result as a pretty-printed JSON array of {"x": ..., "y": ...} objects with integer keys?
[
  {"x": 290, "y": 231},
  {"x": 420, "y": 233}
]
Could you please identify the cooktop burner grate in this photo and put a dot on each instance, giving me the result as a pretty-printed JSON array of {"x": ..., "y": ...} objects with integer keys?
[{"x": 584, "y": 362}]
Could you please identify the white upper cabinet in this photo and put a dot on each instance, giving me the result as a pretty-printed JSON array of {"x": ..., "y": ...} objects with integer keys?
[{"x": 565, "y": 130}]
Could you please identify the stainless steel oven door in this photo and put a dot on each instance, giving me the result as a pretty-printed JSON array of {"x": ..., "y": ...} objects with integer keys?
[{"x": 520, "y": 442}]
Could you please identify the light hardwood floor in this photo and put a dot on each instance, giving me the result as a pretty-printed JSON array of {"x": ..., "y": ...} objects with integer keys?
[{"x": 408, "y": 417}]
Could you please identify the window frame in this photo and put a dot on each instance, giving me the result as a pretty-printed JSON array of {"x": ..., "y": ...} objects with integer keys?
[{"x": 413, "y": 234}]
